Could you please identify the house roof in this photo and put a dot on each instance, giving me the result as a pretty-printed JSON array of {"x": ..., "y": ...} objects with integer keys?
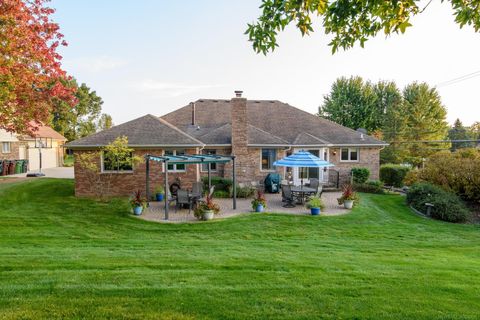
[
  {"x": 147, "y": 131},
  {"x": 270, "y": 122},
  {"x": 43, "y": 131}
]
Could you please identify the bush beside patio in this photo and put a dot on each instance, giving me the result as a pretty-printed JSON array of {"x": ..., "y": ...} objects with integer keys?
[{"x": 65, "y": 257}]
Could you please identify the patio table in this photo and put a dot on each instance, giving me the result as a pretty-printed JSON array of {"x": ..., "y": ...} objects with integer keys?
[{"x": 301, "y": 192}]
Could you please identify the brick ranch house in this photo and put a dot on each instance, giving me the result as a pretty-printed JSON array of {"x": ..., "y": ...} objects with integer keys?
[{"x": 257, "y": 132}]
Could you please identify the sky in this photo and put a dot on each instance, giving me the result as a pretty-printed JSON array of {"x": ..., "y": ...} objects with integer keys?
[{"x": 154, "y": 56}]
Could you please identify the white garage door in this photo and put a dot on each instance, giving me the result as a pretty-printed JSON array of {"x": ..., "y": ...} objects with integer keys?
[{"x": 49, "y": 158}]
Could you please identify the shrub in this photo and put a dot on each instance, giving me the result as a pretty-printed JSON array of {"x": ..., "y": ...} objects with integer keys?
[
  {"x": 393, "y": 174},
  {"x": 370, "y": 186},
  {"x": 219, "y": 183},
  {"x": 360, "y": 175},
  {"x": 458, "y": 172},
  {"x": 221, "y": 194},
  {"x": 446, "y": 206},
  {"x": 411, "y": 177},
  {"x": 315, "y": 202},
  {"x": 244, "y": 192}
]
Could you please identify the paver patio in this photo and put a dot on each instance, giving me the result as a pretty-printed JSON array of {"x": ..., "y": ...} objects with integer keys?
[{"x": 155, "y": 212}]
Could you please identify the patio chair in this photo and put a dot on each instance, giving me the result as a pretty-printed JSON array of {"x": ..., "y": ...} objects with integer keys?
[
  {"x": 315, "y": 184},
  {"x": 197, "y": 188},
  {"x": 183, "y": 199},
  {"x": 287, "y": 197}
]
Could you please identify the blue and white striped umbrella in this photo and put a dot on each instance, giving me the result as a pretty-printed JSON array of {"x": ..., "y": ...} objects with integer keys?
[{"x": 302, "y": 159}]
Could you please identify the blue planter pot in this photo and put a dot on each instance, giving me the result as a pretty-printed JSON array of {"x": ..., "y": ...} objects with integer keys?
[
  {"x": 137, "y": 210},
  {"x": 159, "y": 196},
  {"x": 260, "y": 208},
  {"x": 315, "y": 211}
]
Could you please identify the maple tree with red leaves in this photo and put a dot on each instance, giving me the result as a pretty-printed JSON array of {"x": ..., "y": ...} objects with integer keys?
[{"x": 30, "y": 69}]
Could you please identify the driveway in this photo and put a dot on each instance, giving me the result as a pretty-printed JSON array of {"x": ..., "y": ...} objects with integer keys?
[{"x": 59, "y": 172}]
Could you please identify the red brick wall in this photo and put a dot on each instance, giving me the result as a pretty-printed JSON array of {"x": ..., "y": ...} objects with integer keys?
[
  {"x": 368, "y": 158},
  {"x": 124, "y": 184}
]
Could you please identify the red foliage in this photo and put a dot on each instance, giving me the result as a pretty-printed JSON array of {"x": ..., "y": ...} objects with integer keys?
[{"x": 30, "y": 70}]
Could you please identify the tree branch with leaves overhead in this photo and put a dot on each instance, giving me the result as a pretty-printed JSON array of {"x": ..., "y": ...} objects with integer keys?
[{"x": 349, "y": 22}]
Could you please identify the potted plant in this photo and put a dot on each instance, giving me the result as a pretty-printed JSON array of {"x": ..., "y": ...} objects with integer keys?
[
  {"x": 205, "y": 210},
  {"x": 349, "y": 197},
  {"x": 159, "y": 193},
  {"x": 315, "y": 204},
  {"x": 138, "y": 203},
  {"x": 259, "y": 203}
]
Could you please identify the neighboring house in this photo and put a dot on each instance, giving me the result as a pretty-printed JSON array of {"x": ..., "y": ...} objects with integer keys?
[
  {"x": 256, "y": 132},
  {"x": 26, "y": 147}
]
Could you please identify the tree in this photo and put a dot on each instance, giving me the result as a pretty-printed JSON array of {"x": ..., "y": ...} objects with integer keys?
[
  {"x": 30, "y": 71},
  {"x": 459, "y": 132},
  {"x": 474, "y": 130},
  {"x": 105, "y": 122},
  {"x": 425, "y": 120},
  {"x": 85, "y": 116},
  {"x": 352, "y": 103},
  {"x": 117, "y": 155},
  {"x": 389, "y": 102},
  {"x": 349, "y": 22}
]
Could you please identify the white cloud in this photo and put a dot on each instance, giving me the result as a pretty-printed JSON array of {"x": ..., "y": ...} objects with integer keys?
[
  {"x": 166, "y": 89},
  {"x": 94, "y": 64}
]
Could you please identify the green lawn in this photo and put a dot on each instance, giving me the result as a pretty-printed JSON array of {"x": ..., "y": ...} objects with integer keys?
[{"x": 62, "y": 257}]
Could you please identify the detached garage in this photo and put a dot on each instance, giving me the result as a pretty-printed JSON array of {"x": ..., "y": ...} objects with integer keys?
[{"x": 49, "y": 143}]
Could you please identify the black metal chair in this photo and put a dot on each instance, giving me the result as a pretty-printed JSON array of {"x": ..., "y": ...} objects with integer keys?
[
  {"x": 287, "y": 197},
  {"x": 197, "y": 189},
  {"x": 183, "y": 199}
]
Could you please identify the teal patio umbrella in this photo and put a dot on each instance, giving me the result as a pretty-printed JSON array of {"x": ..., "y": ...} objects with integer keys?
[{"x": 302, "y": 159}]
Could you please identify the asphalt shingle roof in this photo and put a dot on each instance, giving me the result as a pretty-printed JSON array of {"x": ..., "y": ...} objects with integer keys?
[
  {"x": 276, "y": 120},
  {"x": 269, "y": 123},
  {"x": 145, "y": 131}
]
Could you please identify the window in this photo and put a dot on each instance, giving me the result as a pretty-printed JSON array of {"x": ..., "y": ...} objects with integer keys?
[
  {"x": 349, "y": 154},
  {"x": 6, "y": 147},
  {"x": 213, "y": 166},
  {"x": 268, "y": 157},
  {"x": 175, "y": 167},
  {"x": 310, "y": 172},
  {"x": 121, "y": 164}
]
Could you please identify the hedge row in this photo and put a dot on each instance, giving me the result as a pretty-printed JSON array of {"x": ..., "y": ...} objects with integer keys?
[
  {"x": 446, "y": 206},
  {"x": 370, "y": 186}
]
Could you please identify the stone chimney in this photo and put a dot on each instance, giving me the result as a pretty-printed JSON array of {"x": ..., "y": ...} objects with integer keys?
[{"x": 240, "y": 135}]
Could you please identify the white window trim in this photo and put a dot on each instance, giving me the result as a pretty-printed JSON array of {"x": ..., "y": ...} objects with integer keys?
[
  {"x": 211, "y": 170},
  {"x": 174, "y": 165},
  {"x": 349, "y": 154},
  {"x": 112, "y": 171},
  {"x": 261, "y": 154},
  {"x": 9, "y": 147}
]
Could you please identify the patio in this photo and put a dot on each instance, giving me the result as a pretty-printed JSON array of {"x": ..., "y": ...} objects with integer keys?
[{"x": 155, "y": 212}]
